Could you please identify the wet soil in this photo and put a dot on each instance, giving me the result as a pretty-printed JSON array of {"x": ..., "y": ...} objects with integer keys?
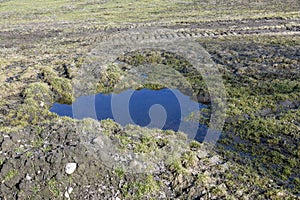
[{"x": 261, "y": 74}]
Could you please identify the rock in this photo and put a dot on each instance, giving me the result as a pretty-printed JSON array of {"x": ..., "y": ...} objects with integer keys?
[
  {"x": 214, "y": 160},
  {"x": 70, "y": 168},
  {"x": 133, "y": 163},
  {"x": 28, "y": 177},
  {"x": 68, "y": 192},
  {"x": 67, "y": 195},
  {"x": 201, "y": 154},
  {"x": 179, "y": 179},
  {"x": 98, "y": 140},
  {"x": 42, "y": 104}
]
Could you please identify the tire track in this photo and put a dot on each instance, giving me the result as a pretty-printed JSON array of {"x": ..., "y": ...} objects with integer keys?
[
  {"x": 157, "y": 30},
  {"x": 140, "y": 35}
]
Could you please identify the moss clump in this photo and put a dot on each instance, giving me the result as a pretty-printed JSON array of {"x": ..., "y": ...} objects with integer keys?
[
  {"x": 194, "y": 145},
  {"x": 120, "y": 172},
  {"x": 110, "y": 126},
  {"x": 189, "y": 159},
  {"x": 146, "y": 145},
  {"x": 141, "y": 189},
  {"x": 161, "y": 59},
  {"x": 53, "y": 187},
  {"x": 11, "y": 174},
  {"x": 202, "y": 179},
  {"x": 175, "y": 166},
  {"x": 182, "y": 163},
  {"x": 61, "y": 87},
  {"x": 37, "y": 100},
  {"x": 152, "y": 86},
  {"x": 108, "y": 78}
]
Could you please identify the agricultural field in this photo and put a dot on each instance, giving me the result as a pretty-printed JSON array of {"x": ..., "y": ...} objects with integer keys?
[{"x": 55, "y": 51}]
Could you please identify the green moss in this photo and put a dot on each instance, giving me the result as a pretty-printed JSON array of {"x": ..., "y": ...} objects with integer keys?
[
  {"x": 115, "y": 12},
  {"x": 152, "y": 86},
  {"x": 53, "y": 187},
  {"x": 287, "y": 171},
  {"x": 2, "y": 162},
  {"x": 120, "y": 172},
  {"x": 169, "y": 132},
  {"x": 202, "y": 179},
  {"x": 141, "y": 189},
  {"x": 125, "y": 141},
  {"x": 61, "y": 87},
  {"x": 109, "y": 78},
  {"x": 110, "y": 126},
  {"x": 29, "y": 154},
  {"x": 276, "y": 194},
  {"x": 297, "y": 181},
  {"x": 37, "y": 101},
  {"x": 219, "y": 191},
  {"x": 189, "y": 159},
  {"x": 143, "y": 144},
  {"x": 11, "y": 174},
  {"x": 175, "y": 166},
  {"x": 36, "y": 189},
  {"x": 164, "y": 61},
  {"x": 38, "y": 143},
  {"x": 261, "y": 112},
  {"x": 146, "y": 145}
]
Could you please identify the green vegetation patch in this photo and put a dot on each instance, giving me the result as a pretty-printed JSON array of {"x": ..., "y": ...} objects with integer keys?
[
  {"x": 141, "y": 189},
  {"x": 116, "y": 12},
  {"x": 261, "y": 76}
]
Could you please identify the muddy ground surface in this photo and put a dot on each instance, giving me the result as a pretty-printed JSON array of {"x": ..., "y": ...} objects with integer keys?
[{"x": 257, "y": 156}]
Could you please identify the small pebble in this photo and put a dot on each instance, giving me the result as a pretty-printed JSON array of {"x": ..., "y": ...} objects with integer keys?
[
  {"x": 28, "y": 177},
  {"x": 70, "y": 190},
  {"x": 214, "y": 160},
  {"x": 67, "y": 195},
  {"x": 70, "y": 168}
]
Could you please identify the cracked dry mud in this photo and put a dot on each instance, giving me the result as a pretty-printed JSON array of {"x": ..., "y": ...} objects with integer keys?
[{"x": 257, "y": 156}]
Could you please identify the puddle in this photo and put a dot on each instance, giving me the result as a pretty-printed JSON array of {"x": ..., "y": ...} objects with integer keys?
[{"x": 164, "y": 109}]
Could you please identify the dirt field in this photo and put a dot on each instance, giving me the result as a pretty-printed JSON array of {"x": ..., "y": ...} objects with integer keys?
[{"x": 44, "y": 45}]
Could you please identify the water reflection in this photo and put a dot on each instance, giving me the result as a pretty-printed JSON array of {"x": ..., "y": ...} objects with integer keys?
[{"x": 164, "y": 109}]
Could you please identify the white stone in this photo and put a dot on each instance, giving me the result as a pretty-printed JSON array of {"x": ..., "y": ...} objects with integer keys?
[
  {"x": 201, "y": 154},
  {"x": 67, "y": 195},
  {"x": 70, "y": 168},
  {"x": 70, "y": 190},
  {"x": 28, "y": 177}
]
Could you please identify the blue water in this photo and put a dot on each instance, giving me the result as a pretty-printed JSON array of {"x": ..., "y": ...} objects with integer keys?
[{"x": 164, "y": 109}]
